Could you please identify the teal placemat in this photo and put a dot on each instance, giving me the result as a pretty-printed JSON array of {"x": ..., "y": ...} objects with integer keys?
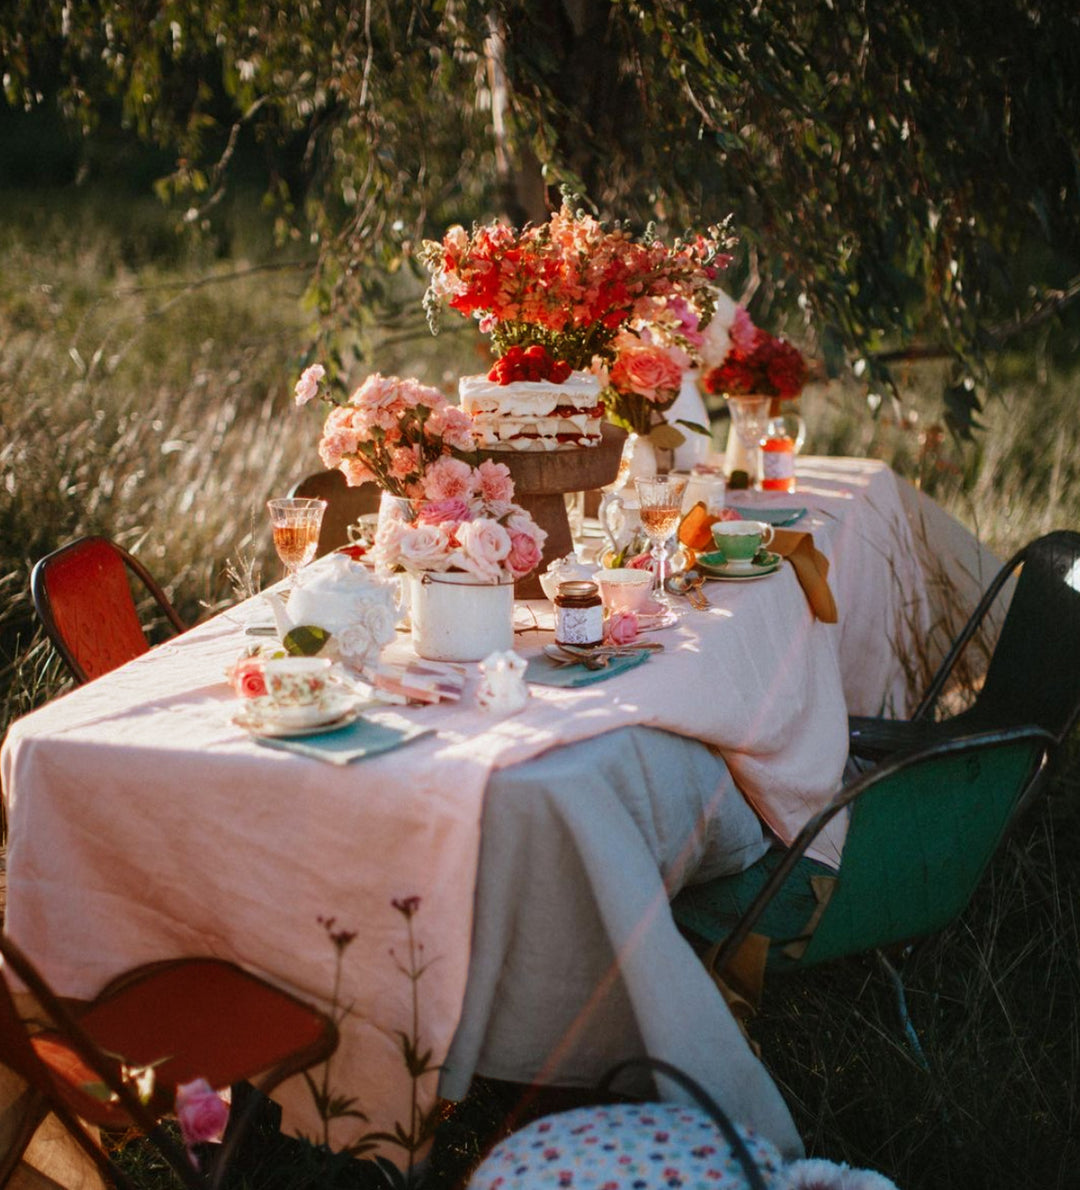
[
  {"x": 358, "y": 740},
  {"x": 542, "y": 671},
  {"x": 771, "y": 516}
]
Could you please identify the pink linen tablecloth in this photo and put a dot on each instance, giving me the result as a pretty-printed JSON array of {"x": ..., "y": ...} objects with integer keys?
[{"x": 144, "y": 824}]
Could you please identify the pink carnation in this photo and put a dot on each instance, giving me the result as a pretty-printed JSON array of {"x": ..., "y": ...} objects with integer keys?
[
  {"x": 453, "y": 426},
  {"x": 448, "y": 479},
  {"x": 495, "y": 484},
  {"x": 307, "y": 387}
]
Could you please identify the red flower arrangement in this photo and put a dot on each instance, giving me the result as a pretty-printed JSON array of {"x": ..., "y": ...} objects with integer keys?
[
  {"x": 568, "y": 285},
  {"x": 764, "y": 366}
]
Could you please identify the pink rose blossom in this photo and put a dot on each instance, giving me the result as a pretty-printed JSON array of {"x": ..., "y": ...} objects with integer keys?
[
  {"x": 524, "y": 555},
  {"x": 425, "y": 547},
  {"x": 201, "y": 1112},
  {"x": 387, "y": 549},
  {"x": 247, "y": 678},
  {"x": 648, "y": 371},
  {"x": 440, "y": 512},
  {"x": 448, "y": 479},
  {"x": 621, "y": 627},
  {"x": 483, "y": 545},
  {"x": 494, "y": 482},
  {"x": 307, "y": 387},
  {"x": 639, "y": 562}
]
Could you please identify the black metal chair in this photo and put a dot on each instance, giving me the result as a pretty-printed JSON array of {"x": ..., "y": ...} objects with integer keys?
[
  {"x": 83, "y": 597},
  {"x": 1034, "y": 672}
]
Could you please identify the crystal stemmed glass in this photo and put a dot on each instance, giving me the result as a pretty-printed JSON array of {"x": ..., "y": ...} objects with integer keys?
[
  {"x": 296, "y": 522},
  {"x": 750, "y": 416},
  {"x": 660, "y": 507}
]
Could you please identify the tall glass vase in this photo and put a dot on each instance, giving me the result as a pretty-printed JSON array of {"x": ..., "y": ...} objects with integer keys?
[{"x": 749, "y": 417}]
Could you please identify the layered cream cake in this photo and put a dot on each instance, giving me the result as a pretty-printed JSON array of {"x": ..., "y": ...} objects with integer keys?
[{"x": 533, "y": 414}]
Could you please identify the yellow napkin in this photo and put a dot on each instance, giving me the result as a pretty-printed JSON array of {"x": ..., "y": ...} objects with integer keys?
[{"x": 811, "y": 565}]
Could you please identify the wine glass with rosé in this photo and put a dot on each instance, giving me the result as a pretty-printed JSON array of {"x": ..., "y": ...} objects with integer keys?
[
  {"x": 296, "y": 521},
  {"x": 659, "y": 509}
]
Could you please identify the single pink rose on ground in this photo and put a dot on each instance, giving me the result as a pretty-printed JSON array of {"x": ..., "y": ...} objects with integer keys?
[
  {"x": 201, "y": 1112},
  {"x": 621, "y": 628},
  {"x": 247, "y": 678}
]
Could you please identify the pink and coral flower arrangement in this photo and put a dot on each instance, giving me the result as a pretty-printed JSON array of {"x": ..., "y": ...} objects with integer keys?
[
  {"x": 568, "y": 284},
  {"x": 643, "y": 380},
  {"x": 465, "y": 521},
  {"x": 390, "y": 431},
  {"x": 746, "y": 360}
]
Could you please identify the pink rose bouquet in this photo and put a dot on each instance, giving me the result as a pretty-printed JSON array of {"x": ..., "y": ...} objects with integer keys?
[
  {"x": 466, "y": 520},
  {"x": 390, "y": 431}
]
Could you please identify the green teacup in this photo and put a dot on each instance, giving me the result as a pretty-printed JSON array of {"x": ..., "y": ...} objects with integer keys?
[{"x": 739, "y": 541}]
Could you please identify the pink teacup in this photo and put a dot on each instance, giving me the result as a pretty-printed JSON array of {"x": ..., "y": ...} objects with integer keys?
[{"x": 625, "y": 589}]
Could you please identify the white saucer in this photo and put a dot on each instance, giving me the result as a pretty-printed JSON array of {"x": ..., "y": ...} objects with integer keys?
[
  {"x": 262, "y": 714},
  {"x": 271, "y": 730}
]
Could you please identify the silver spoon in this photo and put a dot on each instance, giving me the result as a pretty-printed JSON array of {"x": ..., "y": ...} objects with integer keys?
[{"x": 688, "y": 583}]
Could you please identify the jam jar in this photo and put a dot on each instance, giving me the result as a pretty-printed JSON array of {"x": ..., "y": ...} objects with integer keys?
[{"x": 579, "y": 614}]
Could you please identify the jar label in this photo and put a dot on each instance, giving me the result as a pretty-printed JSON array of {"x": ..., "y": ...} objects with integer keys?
[
  {"x": 579, "y": 625},
  {"x": 777, "y": 464}
]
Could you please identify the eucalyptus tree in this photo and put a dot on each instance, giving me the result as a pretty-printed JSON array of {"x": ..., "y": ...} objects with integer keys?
[{"x": 902, "y": 175}]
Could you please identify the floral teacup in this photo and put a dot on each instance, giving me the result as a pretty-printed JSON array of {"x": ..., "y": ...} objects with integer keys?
[{"x": 298, "y": 689}]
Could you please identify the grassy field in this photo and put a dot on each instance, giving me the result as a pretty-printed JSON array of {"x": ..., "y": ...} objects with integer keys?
[{"x": 145, "y": 392}]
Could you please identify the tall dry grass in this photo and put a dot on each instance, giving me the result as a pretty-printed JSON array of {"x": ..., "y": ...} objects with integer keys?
[{"x": 145, "y": 392}]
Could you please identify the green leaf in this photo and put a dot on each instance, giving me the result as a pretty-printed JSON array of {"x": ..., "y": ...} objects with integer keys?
[
  {"x": 305, "y": 640},
  {"x": 696, "y": 427},
  {"x": 666, "y": 437}
]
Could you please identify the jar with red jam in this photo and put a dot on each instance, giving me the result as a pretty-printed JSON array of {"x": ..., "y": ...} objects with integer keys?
[{"x": 579, "y": 614}]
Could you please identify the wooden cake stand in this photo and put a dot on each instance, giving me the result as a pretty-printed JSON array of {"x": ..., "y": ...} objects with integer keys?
[{"x": 541, "y": 482}]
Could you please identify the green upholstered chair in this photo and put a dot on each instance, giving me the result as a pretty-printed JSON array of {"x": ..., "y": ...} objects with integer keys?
[
  {"x": 1034, "y": 672},
  {"x": 922, "y": 829}
]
